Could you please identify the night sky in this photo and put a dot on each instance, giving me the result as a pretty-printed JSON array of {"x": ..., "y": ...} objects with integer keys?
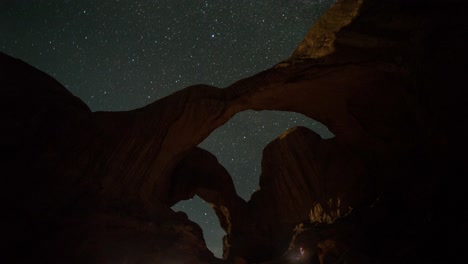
[{"x": 124, "y": 54}]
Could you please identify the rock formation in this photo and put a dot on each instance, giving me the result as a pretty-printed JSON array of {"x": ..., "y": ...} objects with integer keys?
[
  {"x": 384, "y": 76},
  {"x": 199, "y": 173}
]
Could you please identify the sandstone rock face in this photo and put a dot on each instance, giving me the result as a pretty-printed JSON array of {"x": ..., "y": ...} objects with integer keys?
[
  {"x": 199, "y": 173},
  {"x": 84, "y": 187},
  {"x": 303, "y": 177},
  {"x": 383, "y": 70},
  {"x": 59, "y": 201},
  {"x": 320, "y": 40}
]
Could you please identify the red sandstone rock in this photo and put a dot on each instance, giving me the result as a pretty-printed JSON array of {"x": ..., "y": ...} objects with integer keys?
[
  {"x": 382, "y": 75},
  {"x": 199, "y": 173}
]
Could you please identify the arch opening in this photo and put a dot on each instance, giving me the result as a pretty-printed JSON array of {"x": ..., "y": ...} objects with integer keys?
[
  {"x": 239, "y": 143},
  {"x": 238, "y": 147},
  {"x": 200, "y": 212}
]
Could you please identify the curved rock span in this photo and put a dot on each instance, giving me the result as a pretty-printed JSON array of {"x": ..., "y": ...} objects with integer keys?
[{"x": 96, "y": 187}]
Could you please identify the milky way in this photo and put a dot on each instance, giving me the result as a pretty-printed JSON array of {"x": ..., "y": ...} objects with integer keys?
[{"x": 122, "y": 54}]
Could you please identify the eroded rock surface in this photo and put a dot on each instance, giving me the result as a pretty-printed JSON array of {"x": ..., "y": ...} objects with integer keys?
[
  {"x": 384, "y": 76},
  {"x": 199, "y": 173},
  {"x": 60, "y": 203}
]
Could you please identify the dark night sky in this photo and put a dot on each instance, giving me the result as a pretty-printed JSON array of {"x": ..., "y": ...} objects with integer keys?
[{"x": 124, "y": 54}]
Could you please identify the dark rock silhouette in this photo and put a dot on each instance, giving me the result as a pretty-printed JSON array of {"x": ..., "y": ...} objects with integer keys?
[{"x": 384, "y": 76}]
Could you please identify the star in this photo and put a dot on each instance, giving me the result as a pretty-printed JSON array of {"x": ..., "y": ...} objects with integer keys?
[{"x": 122, "y": 55}]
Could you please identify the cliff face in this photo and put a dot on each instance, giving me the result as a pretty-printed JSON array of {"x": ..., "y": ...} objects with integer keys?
[
  {"x": 60, "y": 203},
  {"x": 383, "y": 76}
]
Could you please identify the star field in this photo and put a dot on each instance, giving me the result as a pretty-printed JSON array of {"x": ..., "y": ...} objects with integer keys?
[{"x": 122, "y": 54}]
